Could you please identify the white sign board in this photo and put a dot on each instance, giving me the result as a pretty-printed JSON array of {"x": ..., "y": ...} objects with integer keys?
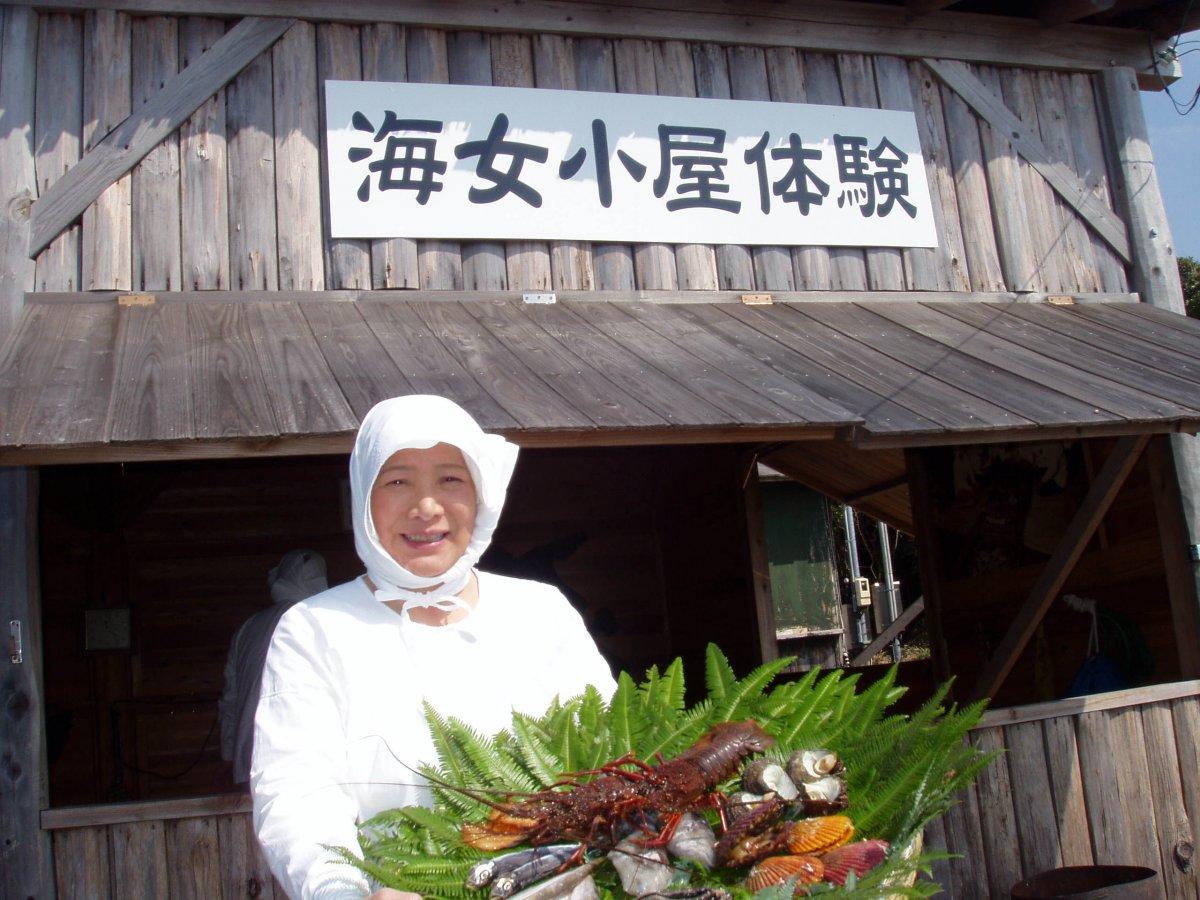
[{"x": 455, "y": 161}]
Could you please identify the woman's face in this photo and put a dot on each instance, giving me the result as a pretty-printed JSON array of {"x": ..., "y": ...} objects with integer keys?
[{"x": 423, "y": 505}]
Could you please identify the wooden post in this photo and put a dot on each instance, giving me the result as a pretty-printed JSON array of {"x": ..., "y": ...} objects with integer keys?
[
  {"x": 764, "y": 602},
  {"x": 25, "y": 860},
  {"x": 1154, "y": 273},
  {"x": 929, "y": 555}
]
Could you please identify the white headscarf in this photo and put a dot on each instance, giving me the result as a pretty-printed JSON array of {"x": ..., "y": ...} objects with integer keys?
[{"x": 419, "y": 422}]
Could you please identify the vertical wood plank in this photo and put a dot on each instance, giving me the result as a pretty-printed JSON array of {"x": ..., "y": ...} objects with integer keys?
[
  {"x": 920, "y": 264},
  {"x": 735, "y": 264},
  {"x": 554, "y": 67},
  {"x": 297, "y": 161},
  {"x": 931, "y": 129},
  {"x": 469, "y": 61},
  {"x": 847, "y": 265},
  {"x": 1182, "y": 590},
  {"x": 884, "y": 265},
  {"x": 935, "y": 842},
  {"x": 18, "y": 179},
  {"x": 695, "y": 264},
  {"x": 1174, "y": 828},
  {"x": 748, "y": 80},
  {"x": 1094, "y": 167},
  {"x": 528, "y": 262},
  {"x": 81, "y": 863},
  {"x": 1106, "y": 816},
  {"x": 1185, "y": 718},
  {"x": 1066, "y": 781},
  {"x": 1003, "y": 168},
  {"x": 1054, "y": 129},
  {"x": 970, "y": 185},
  {"x": 384, "y": 58},
  {"x": 654, "y": 264},
  {"x": 968, "y": 873},
  {"x": 439, "y": 263},
  {"x": 157, "y": 261},
  {"x": 58, "y": 135},
  {"x": 203, "y": 172},
  {"x": 193, "y": 859},
  {"x": 339, "y": 58},
  {"x": 244, "y": 872},
  {"x": 789, "y": 84},
  {"x": 1032, "y": 796},
  {"x": 1133, "y": 774},
  {"x": 138, "y": 859},
  {"x": 106, "y": 102},
  {"x": 997, "y": 818},
  {"x": 250, "y": 129},
  {"x": 612, "y": 264}
]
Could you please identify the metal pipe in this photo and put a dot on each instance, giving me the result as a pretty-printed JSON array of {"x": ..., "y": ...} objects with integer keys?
[
  {"x": 889, "y": 583},
  {"x": 860, "y": 619}
]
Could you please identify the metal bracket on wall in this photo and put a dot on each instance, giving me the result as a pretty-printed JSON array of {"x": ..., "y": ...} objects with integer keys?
[{"x": 15, "y": 652}]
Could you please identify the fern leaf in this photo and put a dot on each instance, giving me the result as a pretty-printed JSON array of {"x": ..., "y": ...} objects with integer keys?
[
  {"x": 718, "y": 674},
  {"x": 743, "y": 696}
]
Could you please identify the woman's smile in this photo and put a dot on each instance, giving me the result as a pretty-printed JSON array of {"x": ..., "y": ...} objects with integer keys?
[{"x": 423, "y": 505}]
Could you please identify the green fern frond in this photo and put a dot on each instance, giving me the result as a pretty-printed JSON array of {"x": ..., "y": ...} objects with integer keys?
[
  {"x": 743, "y": 697},
  {"x": 718, "y": 674}
]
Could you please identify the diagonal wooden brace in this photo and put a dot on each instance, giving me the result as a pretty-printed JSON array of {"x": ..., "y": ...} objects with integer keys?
[
  {"x": 1105, "y": 487},
  {"x": 124, "y": 146}
]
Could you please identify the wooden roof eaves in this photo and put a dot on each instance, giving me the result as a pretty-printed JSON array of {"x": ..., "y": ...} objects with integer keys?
[{"x": 823, "y": 25}]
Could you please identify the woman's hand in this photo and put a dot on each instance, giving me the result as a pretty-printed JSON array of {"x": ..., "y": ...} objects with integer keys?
[{"x": 393, "y": 894}]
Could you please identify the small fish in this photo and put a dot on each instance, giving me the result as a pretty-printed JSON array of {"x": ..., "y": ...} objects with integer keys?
[
  {"x": 695, "y": 893},
  {"x": 524, "y": 875},
  {"x": 486, "y": 871},
  {"x": 559, "y": 885}
]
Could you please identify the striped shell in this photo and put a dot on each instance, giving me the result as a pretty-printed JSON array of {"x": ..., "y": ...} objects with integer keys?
[
  {"x": 818, "y": 835},
  {"x": 778, "y": 869},
  {"x": 860, "y": 858}
]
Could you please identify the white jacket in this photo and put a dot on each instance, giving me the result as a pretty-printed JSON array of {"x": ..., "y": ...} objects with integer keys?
[{"x": 339, "y": 726}]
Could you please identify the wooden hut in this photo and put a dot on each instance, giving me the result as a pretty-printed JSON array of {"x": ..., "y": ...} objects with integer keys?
[{"x": 187, "y": 351}]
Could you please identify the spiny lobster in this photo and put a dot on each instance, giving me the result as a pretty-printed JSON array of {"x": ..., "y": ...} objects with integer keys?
[{"x": 596, "y": 812}]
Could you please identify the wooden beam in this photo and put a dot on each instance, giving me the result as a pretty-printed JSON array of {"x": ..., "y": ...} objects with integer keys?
[
  {"x": 1026, "y": 142},
  {"x": 1077, "y": 706},
  {"x": 27, "y": 869},
  {"x": 923, "y": 7},
  {"x": 1060, "y": 12},
  {"x": 875, "y": 490},
  {"x": 760, "y": 568},
  {"x": 142, "y": 131},
  {"x": 1045, "y": 590},
  {"x": 1154, "y": 274},
  {"x": 1183, "y": 591},
  {"x": 929, "y": 554},
  {"x": 890, "y": 633},
  {"x": 827, "y": 25},
  {"x": 636, "y": 296}
]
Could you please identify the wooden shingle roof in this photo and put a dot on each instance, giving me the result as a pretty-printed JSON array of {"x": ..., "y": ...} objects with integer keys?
[{"x": 87, "y": 381}]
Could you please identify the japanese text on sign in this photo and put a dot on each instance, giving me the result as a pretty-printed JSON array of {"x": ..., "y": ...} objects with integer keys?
[{"x": 453, "y": 161}]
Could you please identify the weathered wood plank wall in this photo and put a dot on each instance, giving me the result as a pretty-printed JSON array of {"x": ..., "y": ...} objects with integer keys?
[
  {"x": 1108, "y": 779},
  {"x": 237, "y": 195}
]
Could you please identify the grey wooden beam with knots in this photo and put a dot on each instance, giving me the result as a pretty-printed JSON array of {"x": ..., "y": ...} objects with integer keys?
[{"x": 146, "y": 126}]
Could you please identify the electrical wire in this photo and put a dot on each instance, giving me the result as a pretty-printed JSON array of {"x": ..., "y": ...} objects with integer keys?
[{"x": 1171, "y": 53}]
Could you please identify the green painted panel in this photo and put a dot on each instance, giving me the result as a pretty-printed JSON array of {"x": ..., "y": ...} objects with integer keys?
[{"x": 800, "y": 552}]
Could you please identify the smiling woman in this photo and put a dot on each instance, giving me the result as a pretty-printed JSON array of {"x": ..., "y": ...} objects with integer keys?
[{"x": 340, "y": 729}]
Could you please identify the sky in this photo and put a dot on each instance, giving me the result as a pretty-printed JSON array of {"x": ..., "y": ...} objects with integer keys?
[{"x": 1175, "y": 140}]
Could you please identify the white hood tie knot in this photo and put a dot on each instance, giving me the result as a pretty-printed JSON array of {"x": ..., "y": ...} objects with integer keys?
[{"x": 418, "y": 422}]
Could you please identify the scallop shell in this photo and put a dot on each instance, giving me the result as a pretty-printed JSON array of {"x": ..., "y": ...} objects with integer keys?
[
  {"x": 694, "y": 840},
  {"x": 818, "y": 835},
  {"x": 860, "y": 858},
  {"x": 643, "y": 870},
  {"x": 812, "y": 765},
  {"x": 765, "y": 775},
  {"x": 778, "y": 869}
]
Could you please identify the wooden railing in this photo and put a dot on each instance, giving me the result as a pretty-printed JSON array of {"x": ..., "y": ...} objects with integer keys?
[
  {"x": 203, "y": 847},
  {"x": 1109, "y": 778}
]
